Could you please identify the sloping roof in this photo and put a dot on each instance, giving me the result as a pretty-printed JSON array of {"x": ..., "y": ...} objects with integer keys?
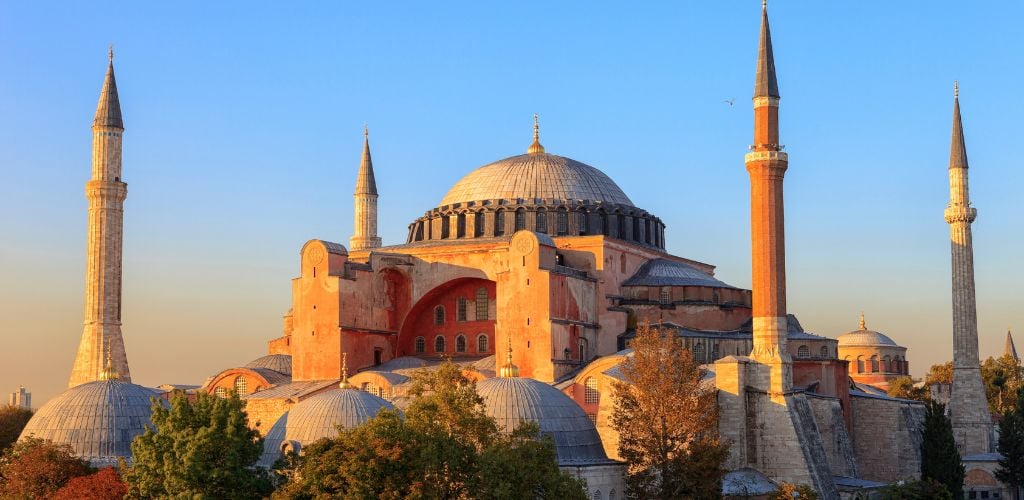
[
  {"x": 281, "y": 363},
  {"x": 292, "y": 389},
  {"x": 664, "y": 272},
  {"x": 747, "y": 482}
]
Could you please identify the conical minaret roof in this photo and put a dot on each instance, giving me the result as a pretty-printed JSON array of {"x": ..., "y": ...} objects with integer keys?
[
  {"x": 766, "y": 84},
  {"x": 366, "y": 183},
  {"x": 1008, "y": 348},
  {"x": 108, "y": 111},
  {"x": 957, "y": 147}
]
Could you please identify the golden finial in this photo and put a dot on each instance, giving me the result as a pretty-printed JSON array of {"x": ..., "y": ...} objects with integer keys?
[
  {"x": 509, "y": 370},
  {"x": 535, "y": 148},
  {"x": 366, "y": 131},
  {"x": 109, "y": 373},
  {"x": 344, "y": 372},
  {"x": 764, "y": 4},
  {"x": 862, "y": 325},
  {"x": 110, "y": 54},
  {"x": 956, "y": 89}
]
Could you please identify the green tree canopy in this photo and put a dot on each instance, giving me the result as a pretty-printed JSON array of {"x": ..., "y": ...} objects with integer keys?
[
  {"x": 940, "y": 374},
  {"x": 903, "y": 387},
  {"x": 201, "y": 449},
  {"x": 445, "y": 446},
  {"x": 940, "y": 460},
  {"x": 666, "y": 418},
  {"x": 35, "y": 468},
  {"x": 1011, "y": 445},
  {"x": 12, "y": 421}
]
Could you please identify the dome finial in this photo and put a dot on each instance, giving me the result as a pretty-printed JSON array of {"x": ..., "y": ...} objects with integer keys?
[
  {"x": 862, "y": 325},
  {"x": 956, "y": 89},
  {"x": 536, "y": 148},
  {"x": 509, "y": 370},
  {"x": 110, "y": 54},
  {"x": 366, "y": 131},
  {"x": 109, "y": 373},
  {"x": 344, "y": 372}
]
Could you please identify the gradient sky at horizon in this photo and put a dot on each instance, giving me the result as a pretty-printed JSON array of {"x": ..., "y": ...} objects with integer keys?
[{"x": 244, "y": 127}]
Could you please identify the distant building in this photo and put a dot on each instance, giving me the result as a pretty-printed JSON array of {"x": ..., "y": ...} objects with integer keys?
[
  {"x": 875, "y": 359},
  {"x": 21, "y": 398}
]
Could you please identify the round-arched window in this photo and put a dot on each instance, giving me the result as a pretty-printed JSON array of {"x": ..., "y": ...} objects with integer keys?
[
  {"x": 421, "y": 344},
  {"x": 439, "y": 315},
  {"x": 591, "y": 395},
  {"x": 439, "y": 343},
  {"x": 240, "y": 386},
  {"x": 803, "y": 352},
  {"x": 481, "y": 343},
  {"x": 220, "y": 392},
  {"x": 460, "y": 343}
]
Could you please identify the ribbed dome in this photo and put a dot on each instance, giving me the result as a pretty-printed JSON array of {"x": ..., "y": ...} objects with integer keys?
[
  {"x": 513, "y": 400},
  {"x": 533, "y": 176},
  {"x": 280, "y": 363},
  {"x": 98, "y": 419},
  {"x": 865, "y": 338},
  {"x": 319, "y": 417}
]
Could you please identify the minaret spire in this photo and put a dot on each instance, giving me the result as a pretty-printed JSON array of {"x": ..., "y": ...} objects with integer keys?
[
  {"x": 765, "y": 85},
  {"x": 101, "y": 335},
  {"x": 1009, "y": 349},
  {"x": 364, "y": 235},
  {"x": 968, "y": 408}
]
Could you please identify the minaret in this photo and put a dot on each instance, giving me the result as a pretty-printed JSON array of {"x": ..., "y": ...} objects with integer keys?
[
  {"x": 968, "y": 408},
  {"x": 106, "y": 193},
  {"x": 365, "y": 230},
  {"x": 1008, "y": 348},
  {"x": 767, "y": 165}
]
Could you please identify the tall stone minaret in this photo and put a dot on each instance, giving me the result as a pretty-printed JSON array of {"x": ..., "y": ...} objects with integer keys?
[
  {"x": 968, "y": 408},
  {"x": 365, "y": 230},
  {"x": 106, "y": 193},
  {"x": 766, "y": 164}
]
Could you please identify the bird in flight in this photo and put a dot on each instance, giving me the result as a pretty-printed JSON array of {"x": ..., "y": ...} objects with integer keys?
[{"x": 730, "y": 101}]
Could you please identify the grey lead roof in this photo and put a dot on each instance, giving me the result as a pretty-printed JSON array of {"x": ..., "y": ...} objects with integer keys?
[
  {"x": 536, "y": 176},
  {"x": 280, "y": 363},
  {"x": 366, "y": 183},
  {"x": 511, "y": 401},
  {"x": 108, "y": 110},
  {"x": 664, "y": 272},
  {"x": 957, "y": 147},
  {"x": 97, "y": 419},
  {"x": 766, "y": 84}
]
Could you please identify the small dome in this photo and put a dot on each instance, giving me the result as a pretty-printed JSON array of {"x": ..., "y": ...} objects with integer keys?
[
  {"x": 97, "y": 419},
  {"x": 536, "y": 176},
  {"x": 513, "y": 400},
  {"x": 865, "y": 338},
  {"x": 664, "y": 272},
  {"x": 319, "y": 417},
  {"x": 280, "y": 363}
]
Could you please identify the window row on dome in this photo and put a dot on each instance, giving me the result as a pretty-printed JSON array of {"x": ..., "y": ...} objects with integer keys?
[
  {"x": 634, "y": 225},
  {"x": 873, "y": 364},
  {"x": 461, "y": 346}
]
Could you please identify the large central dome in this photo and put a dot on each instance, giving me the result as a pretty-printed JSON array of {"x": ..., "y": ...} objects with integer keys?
[{"x": 536, "y": 176}]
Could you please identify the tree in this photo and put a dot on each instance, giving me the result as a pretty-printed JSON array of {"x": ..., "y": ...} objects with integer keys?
[
  {"x": 35, "y": 468},
  {"x": 203, "y": 449},
  {"x": 1002, "y": 377},
  {"x": 105, "y": 484},
  {"x": 1011, "y": 445},
  {"x": 12, "y": 421},
  {"x": 445, "y": 447},
  {"x": 675, "y": 452},
  {"x": 903, "y": 387},
  {"x": 916, "y": 490},
  {"x": 940, "y": 374},
  {"x": 940, "y": 460},
  {"x": 790, "y": 491}
]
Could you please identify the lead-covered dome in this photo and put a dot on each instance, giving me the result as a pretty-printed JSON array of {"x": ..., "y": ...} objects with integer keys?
[
  {"x": 536, "y": 176},
  {"x": 280, "y": 363},
  {"x": 511, "y": 400},
  {"x": 97, "y": 419}
]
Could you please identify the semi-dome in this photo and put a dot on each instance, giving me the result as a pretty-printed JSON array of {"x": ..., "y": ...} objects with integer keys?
[
  {"x": 536, "y": 176},
  {"x": 280, "y": 363},
  {"x": 511, "y": 400},
  {"x": 319, "y": 417},
  {"x": 97, "y": 419}
]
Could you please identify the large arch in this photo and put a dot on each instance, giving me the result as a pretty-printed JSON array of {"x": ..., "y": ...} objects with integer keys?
[{"x": 420, "y": 320}]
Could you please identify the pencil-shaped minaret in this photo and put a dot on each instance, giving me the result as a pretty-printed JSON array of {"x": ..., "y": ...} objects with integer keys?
[{"x": 364, "y": 233}]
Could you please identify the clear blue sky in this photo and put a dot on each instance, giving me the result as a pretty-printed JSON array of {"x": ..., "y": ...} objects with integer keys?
[{"x": 244, "y": 125}]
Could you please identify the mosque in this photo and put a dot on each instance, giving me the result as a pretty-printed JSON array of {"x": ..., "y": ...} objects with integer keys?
[{"x": 532, "y": 273}]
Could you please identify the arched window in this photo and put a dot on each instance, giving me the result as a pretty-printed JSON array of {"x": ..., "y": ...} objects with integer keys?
[
  {"x": 647, "y": 231},
  {"x": 481, "y": 343},
  {"x": 611, "y": 494},
  {"x": 460, "y": 343},
  {"x": 887, "y": 364},
  {"x": 439, "y": 343},
  {"x": 220, "y": 392},
  {"x": 369, "y": 387},
  {"x": 439, "y": 315},
  {"x": 621, "y": 222},
  {"x": 698, "y": 353},
  {"x": 460, "y": 226},
  {"x": 481, "y": 304},
  {"x": 520, "y": 219},
  {"x": 590, "y": 393},
  {"x": 605, "y": 229},
  {"x": 824, "y": 351},
  {"x": 803, "y": 352},
  {"x": 460, "y": 309},
  {"x": 715, "y": 353},
  {"x": 562, "y": 222},
  {"x": 419, "y": 231},
  {"x": 636, "y": 229},
  {"x": 542, "y": 220},
  {"x": 478, "y": 224},
  {"x": 445, "y": 226},
  {"x": 860, "y": 364},
  {"x": 499, "y": 222},
  {"x": 582, "y": 223},
  {"x": 421, "y": 345},
  {"x": 240, "y": 386},
  {"x": 597, "y": 495},
  {"x": 874, "y": 363}
]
